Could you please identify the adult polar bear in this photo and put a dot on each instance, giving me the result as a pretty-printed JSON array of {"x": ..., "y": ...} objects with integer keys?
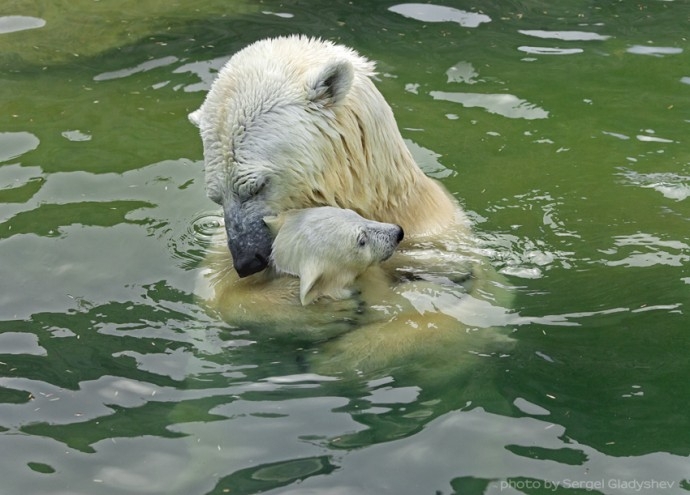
[{"x": 296, "y": 122}]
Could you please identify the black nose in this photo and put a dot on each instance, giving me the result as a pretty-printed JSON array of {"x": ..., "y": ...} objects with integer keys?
[
  {"x": 250, "y": 265},
  {"x": 401, "y": 234}
]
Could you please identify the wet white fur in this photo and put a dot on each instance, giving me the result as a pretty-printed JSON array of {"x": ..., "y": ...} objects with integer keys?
[
  {"x": 303, "y": 116},
  {"x": 328, "y": 248}
]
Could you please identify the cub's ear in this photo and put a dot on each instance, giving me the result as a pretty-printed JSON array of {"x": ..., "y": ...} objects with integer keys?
[
  {"x": 332, "y": 83},
  {"x": 309, "y": 277},
  {"x": 274, "y": 223},
  {"x": 195, "y": 117}
]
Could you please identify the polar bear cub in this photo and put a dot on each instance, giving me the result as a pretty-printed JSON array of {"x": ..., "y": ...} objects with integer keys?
[{"x": 328, "y": 248}]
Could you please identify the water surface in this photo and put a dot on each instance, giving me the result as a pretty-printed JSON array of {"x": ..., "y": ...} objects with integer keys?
[{"x": 562, "y": 129}]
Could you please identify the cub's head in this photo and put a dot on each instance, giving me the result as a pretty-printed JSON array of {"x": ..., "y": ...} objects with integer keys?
[
  {"x": 327, "y": 248},
  {"x": 269, "y": 125}
]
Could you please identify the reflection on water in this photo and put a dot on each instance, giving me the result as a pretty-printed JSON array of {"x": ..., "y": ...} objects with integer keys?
[
  {"x": 462, "y": 72},
  {"x": 549, "y": 50},
  {"x": 437, "y": 13},
  {"x": 502, "y": 104},
  {"x": 657, "y": 51},
  {"x": 12, "y": 23},
  {"x": 570, "y": 153},
  {"x": 143, "y": 67},
  {"x": 565, "y": 35},
  {"x": 15, "y": 144}
]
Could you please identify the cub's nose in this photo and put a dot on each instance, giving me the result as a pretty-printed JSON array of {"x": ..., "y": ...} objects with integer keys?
[{"x": 401, "y": 234}]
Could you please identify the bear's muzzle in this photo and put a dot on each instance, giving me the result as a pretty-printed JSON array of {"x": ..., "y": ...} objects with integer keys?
[{"x": 249, "y": 239}]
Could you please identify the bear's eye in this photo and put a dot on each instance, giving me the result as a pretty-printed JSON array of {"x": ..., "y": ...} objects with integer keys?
[
  {"x": 249, "y": 186},
  {"x": 362, "y": 239}
]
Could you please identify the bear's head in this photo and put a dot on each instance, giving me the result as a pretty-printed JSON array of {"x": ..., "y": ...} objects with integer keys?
[
  {"x": 327, "y": 248},
  {"x": 292, "y": 123}
]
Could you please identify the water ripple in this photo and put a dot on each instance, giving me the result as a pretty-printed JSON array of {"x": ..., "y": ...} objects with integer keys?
[
  {"x": 191, "y": 245},
  {"x": 670, "y": 185}
]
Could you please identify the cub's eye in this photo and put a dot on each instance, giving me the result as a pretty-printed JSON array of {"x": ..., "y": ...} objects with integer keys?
[{"x": 362, "y": 239}]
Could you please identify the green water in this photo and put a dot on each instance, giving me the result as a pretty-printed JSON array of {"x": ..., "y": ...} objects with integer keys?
[{"x": 561, "y": 128}]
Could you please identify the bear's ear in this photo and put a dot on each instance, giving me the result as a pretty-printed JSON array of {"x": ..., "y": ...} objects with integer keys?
[
  {"x": 332, "y": 83},
  {"x": 308, "y": 279}
]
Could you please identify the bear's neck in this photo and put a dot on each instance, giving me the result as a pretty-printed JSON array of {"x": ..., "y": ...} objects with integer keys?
[
  {"x": 420, "y": 205},
  {"x": 395, "y": 191},
  {"x": 378, "y": 177}
]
